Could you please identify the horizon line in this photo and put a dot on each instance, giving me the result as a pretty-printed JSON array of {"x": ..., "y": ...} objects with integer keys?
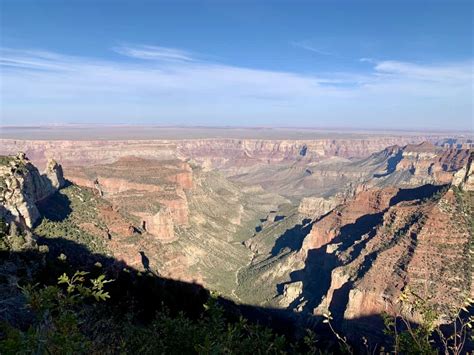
[{"x": 236, "y": 127}]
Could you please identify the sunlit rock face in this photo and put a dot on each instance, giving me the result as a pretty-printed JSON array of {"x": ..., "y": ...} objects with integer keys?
[
  {"x": 429, "y": 162},
  {"x": 160, "y": 224},
  {"x": 23, "y": 186},
  {"x": 464, "y": 178},
  {"x": 314, "y": 207}
]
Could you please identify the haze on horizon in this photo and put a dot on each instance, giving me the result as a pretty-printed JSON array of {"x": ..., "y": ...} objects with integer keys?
[{"x": 380, "y": 65}]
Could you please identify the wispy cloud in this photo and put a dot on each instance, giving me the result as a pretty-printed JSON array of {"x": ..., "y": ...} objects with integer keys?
[
  {"x": 452, "y": 72},
  {"x": 312, "y": 48},
  {"x": 39, "y": 86},
  {"x": 155, "y": 53},
  {"x": 367, "y": 60},
  {"x": 32, "y": 59}
]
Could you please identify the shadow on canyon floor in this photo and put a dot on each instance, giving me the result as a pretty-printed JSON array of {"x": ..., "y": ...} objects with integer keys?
[
  {"x": 56, "y": 207},
  {"x": 148, "y": 293},
  {"x": 416, "y": 193},
  {"x": 392, "y": 163},
  {"x": 292, "y": 238},
  {"x": 316, "y": 276}
]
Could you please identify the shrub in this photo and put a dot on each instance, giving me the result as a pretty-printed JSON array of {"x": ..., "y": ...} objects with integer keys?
[{"x": 60, "y": 312}]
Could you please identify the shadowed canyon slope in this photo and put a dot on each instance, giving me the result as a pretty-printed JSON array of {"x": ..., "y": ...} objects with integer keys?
[{"x": 329, "y": 224}]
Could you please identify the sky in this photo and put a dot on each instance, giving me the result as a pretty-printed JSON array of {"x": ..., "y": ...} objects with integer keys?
[{"x": 325, "y": 64}]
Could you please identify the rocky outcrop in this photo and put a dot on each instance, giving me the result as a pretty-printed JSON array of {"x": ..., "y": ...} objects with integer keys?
[
  {"x": 161, "y": 224},
  {"x": 291, "y": 292},
  {"x": 464, "y": 178},
  {"x": 22, "y": 186},
  {"x": 426, "y": 254},
  {"x": 429, "y": 163},
  {"x": 110, "y": 186},
  {"x": 54, "y": 173},
  {"x": 87, "y": 152},
  {"x": 314, "y": 207},
  {"x": 339, "y": 178},
  {"x": 366, "y": 203},
  {"x": 115, "y": 223}
]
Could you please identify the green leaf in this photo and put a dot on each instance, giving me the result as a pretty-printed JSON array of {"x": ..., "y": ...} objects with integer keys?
[{"x": 63, "y": 279}]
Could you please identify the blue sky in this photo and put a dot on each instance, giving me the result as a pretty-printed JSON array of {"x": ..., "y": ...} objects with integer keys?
[{"x": 354, "y": 64}]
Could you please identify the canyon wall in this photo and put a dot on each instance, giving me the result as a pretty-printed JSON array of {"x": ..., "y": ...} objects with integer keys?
[{"x": 214, "y": 152}]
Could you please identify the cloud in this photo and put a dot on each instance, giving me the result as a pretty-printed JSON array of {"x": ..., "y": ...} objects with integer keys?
[
  {"x": 32, "y": 59},
  {"x": 174, "y": 77},
  {"x": 42, "y": 86},
  {"x": 155, "y": 53},
  {"x": 311, "y": 48},
  {"x": 457, "y": 72},
  {"x": 367, "y": 60}
]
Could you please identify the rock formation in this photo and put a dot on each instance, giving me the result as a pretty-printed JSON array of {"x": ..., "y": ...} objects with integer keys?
[
  {"x": 23, "y": 186},
  {"x": 428, "y": 162},
  {"x": 464, "y": 178},
  {"x": 160, "y": 224},
  {"x": 315, "y": 207}
]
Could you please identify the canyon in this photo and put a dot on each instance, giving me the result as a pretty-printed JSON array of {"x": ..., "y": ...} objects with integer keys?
[{"x": 342, "y": 224}]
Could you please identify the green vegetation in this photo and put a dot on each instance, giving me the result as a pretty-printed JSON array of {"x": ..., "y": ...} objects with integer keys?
[
  {"x": 129, "y": 312},
  {"x": 71, "y": 317},
  {"x": 3, "y": 235},
  {"x": 20, "y": 166},
  {"x": 425, "y": 338},
  {"x": 134, "y": 200},
  {"x": 69, "y": 230},
  {"x": 60, "y": 311},
  {"x": 64, "y": 213},
  {"x": 86, "y": 312},
  {"x": 428, "y": 337},
  {"x": 437, "y": 195},
  {"x": 209, "y": 334},
  {"x": 6, "y": 159}
]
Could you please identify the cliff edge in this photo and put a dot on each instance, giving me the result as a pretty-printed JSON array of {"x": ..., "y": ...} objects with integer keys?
[{"x": 22, "y": 186}]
